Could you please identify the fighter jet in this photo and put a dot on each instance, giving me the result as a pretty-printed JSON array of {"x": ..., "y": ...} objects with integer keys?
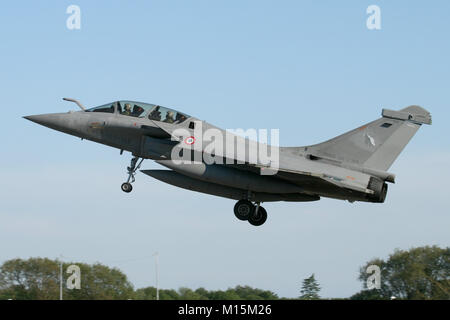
[{"x": 352, "y": 166}]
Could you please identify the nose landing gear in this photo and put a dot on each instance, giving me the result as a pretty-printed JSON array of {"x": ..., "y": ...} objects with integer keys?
[
  {"x": 253, "y": 213},
  {"x": 134, "y": 166}
]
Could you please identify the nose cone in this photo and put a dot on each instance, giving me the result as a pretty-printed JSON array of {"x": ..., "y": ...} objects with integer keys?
[
  {"x": 47, "y": 120},
  {"x": 58, "y": 121}
]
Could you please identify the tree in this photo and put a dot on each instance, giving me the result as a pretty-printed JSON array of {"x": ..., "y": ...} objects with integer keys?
[
  {"x": 38, "y": 279},
  {"x": 416, "y": 274},
  {"x": 368, "y": 295},
  {"x": 189, "y": 294},
  {"x": 148, "y": 293},
  {"x": 203, "y": 293},
  {"x": 310, "y": 289},
  {"x": 249, "y": 293}
]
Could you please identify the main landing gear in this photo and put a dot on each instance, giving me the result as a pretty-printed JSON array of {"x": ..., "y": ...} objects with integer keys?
[
  {"x": 134, "y": 166},
  {"x": 253, "y": 213}
]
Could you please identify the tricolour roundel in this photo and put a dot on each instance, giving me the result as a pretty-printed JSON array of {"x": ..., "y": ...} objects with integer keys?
[{"x": 189, "y": 140}]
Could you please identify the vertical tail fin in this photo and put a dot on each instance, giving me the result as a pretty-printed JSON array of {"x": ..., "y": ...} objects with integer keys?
[{"x": 377, "y": 144}]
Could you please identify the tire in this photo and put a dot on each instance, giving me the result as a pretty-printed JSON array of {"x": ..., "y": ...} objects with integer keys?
[
  {"x": 126, "y": 187},
  {"x": 259, "y": 218},
  {"x": 243, "y": 209}
]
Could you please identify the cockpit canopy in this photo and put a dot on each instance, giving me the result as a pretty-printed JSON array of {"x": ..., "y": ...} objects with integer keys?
[{"x": 142, "y": 110}]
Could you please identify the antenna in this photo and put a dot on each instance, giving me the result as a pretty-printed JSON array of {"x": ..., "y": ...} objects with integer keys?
[
  {"x": 61, "y": 278},
  {"x": 76, "y": 101},
  {"x": 156, "y": 255}
]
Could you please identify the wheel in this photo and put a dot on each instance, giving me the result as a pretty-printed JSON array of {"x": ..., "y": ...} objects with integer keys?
[
  {"x": 258, "y": 218},
  {"x": 243, "y": 209},
  {"x": 126, "y": 187}
]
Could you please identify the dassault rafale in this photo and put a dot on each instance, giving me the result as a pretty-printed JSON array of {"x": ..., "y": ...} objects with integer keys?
[{"x": 353, "y": 166}]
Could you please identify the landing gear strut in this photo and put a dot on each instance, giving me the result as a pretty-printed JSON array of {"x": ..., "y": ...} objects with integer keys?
[
  {"x": 134, "y": 166},
  {"x": 253, "y": 213}
]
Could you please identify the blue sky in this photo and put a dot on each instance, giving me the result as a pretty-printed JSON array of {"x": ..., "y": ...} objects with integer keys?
[{"x": 310, "y": 68}]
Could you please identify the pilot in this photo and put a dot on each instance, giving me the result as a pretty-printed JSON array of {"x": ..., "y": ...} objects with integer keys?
[
  {"x": 180, "y": 117},
  {"x": 127, "y": 111},
  {"x": 169, "y": 117}
]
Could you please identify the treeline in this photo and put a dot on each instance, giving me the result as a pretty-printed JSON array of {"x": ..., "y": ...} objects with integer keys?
[
  {"x": 418, "y": 273},
  {"x": 237, "y": 293},
  {"x": 38, "y": 279}
]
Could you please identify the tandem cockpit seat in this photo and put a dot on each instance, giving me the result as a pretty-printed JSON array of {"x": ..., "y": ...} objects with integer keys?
[{"x": 142, "y": 110}]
